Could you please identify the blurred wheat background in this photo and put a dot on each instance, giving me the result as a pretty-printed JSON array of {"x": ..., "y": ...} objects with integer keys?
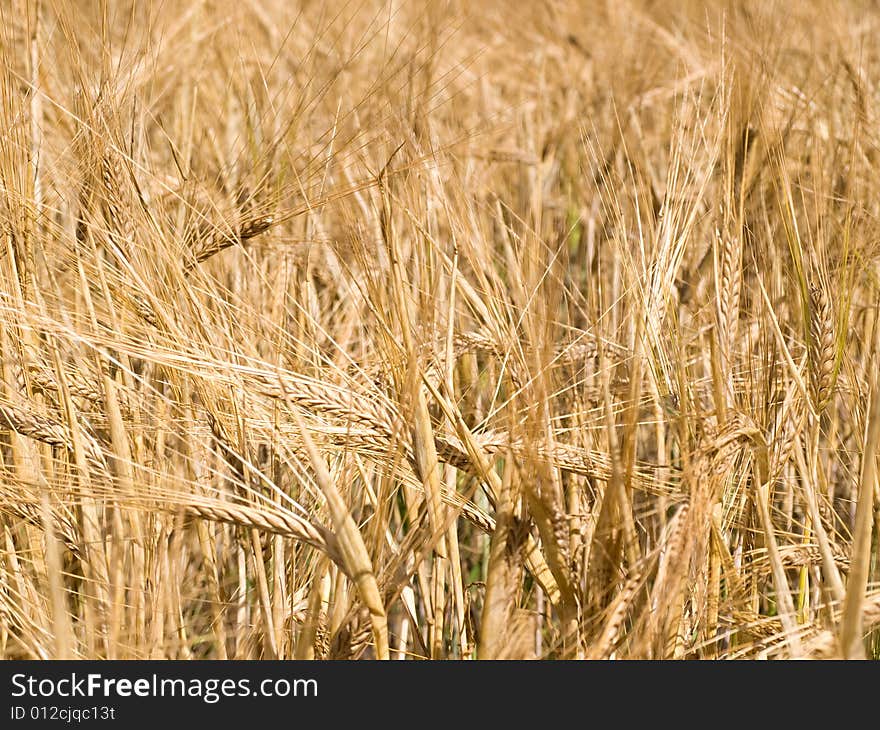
[{"x": 439, "y": 329}]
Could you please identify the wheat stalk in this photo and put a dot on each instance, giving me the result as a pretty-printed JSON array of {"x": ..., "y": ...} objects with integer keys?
[
  {"x": 822, "y": 347},
  {"x": 210, "y": 239}
]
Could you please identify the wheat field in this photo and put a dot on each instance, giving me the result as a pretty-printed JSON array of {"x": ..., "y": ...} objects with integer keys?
[{"x": 439, "y": 330}]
